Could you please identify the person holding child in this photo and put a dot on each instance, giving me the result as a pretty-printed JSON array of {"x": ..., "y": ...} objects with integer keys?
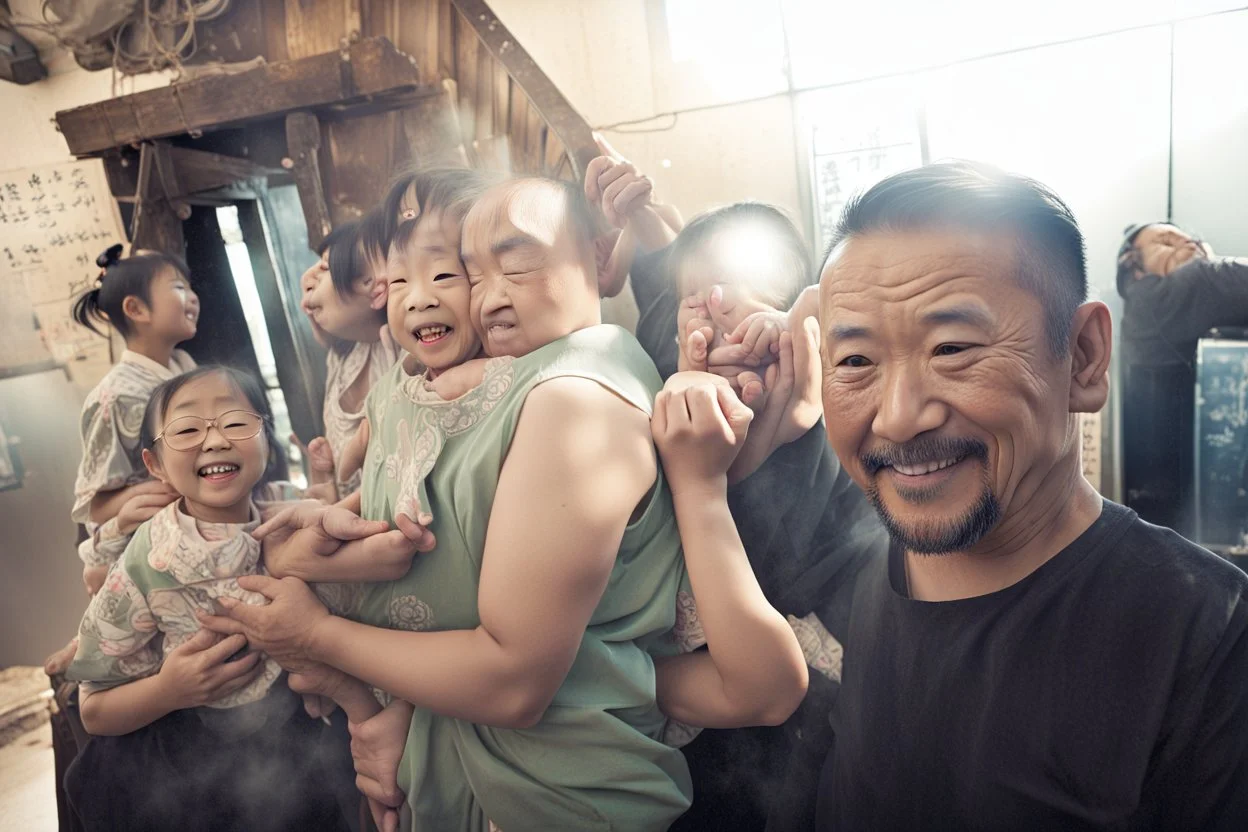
[{"x": 542, "y": 492}]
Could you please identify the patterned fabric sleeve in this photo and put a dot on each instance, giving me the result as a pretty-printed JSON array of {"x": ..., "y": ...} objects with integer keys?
[
  {"x": 110, "y": 439},
  {"x": 104, "y": 548},
  {"x": 117, "y": 639}
]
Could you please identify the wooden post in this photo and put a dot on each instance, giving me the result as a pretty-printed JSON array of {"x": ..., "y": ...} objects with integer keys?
[
  {"x": 156, "y": 223},
  {"x": 303, "y": 141}
]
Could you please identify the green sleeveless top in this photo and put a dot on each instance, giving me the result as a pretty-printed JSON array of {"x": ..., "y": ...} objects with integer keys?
[{"x": 595, "y": 761}]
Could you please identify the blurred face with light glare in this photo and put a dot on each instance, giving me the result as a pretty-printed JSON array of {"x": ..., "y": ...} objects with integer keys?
[
  {"x": 943, "y": 395},
  {"x": 746, "y": 261}
]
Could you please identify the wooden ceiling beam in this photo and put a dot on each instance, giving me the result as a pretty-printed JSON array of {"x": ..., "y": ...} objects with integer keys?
[{"x": 367, "y": 68}]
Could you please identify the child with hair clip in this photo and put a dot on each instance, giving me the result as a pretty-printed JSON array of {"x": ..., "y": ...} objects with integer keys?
[
  {"x": 349, "y": 322},
  {"x": 191, "y": 731},
  {"x": 147, "y": 298}
]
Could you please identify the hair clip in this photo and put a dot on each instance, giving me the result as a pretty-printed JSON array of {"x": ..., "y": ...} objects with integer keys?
[{"x": 408, "y": 214}]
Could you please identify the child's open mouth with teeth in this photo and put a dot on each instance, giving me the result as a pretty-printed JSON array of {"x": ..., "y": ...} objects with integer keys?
[
  {"x": 219, "y": 471},
  {"x": 433, "y": 333}
]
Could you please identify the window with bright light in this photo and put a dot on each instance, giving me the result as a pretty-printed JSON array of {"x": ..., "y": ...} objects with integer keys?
[
  {"x": 249, "y": 297},
  {"x": 725, "y": 49},
  {"x": 859, "y": 135},
  {"x": 839, "y": 41}
]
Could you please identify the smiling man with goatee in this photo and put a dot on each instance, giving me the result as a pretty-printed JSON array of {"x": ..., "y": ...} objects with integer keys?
[{"x": 1030, "y": 655}]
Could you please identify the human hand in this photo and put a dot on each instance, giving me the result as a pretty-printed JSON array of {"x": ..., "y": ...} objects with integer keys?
[
  {"x": 615, "y": 185},
  {"x": 795, "y": 381},
  {"x": 198, "y": 671},
  {"x": 317, "y": 683},
  {"x": 320, "y": 458},
  {"x": 376, "y": 748},
  {"x": 284, "y": 628},
  {"x": 93, "y": 578},
  {"x": 695, "y": 332},
  {"x": 758, "y": 336},
  {"x": 699, "y": 426},
  {"x": 144, "y": 501},
  {"x": 307, "y": 530},
  {"x": 792, "y": 405}
]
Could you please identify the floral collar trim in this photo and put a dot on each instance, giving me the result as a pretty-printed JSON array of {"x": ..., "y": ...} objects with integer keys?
[{"x": 193, "y": 550}]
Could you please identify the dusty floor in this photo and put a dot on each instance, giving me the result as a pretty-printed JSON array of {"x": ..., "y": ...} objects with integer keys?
[{"x": 27, "y": 799}]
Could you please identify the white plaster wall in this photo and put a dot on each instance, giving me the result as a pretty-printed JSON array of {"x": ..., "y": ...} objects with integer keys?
[{"x": 42, "y": 599}]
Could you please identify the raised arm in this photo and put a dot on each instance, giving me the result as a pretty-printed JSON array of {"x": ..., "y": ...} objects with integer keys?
[{"x": 580, "y": 462}]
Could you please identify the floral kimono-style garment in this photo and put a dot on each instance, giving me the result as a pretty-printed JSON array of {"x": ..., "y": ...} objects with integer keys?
[
  {"x": 342, "y": 370},
  {"x": 111, "y": 457},
  {"x": 174, "y": 567}
]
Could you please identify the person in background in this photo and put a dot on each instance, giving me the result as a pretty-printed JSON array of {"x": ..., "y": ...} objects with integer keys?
[
  {"x": 1030, "y": 655},
  {"x": 338, "y": 300},
  {"x": 147, "y": 298},
  {"x": 1174, "y": 290},
  {"x": 805, "y": 527}
]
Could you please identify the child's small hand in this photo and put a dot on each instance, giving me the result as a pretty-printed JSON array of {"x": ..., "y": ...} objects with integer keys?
[
  {"x": 93, "y": 578},
  {"x": 695, "y": 332},
  {"x": 758, "y": 336},
  {"x": 320, "y": 458},
  {"x": 145, "y": 501},
  {"x": 699, "y": 426},
  {"x": 376, "y": 748},
  {"x": 198, "y": 672}
]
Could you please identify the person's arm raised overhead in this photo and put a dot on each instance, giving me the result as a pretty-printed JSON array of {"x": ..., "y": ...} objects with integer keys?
[{"x": 580, "y": 462}]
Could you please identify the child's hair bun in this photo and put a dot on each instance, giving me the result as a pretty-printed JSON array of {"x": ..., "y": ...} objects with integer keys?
[{"x": 109, "y": 256}]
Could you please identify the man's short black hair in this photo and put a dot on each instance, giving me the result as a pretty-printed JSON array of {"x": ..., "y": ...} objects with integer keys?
[{"x": 972, "y": 196}]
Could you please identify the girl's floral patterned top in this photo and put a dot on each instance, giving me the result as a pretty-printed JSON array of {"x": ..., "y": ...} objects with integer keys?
[{"x": 174, "y": 567}]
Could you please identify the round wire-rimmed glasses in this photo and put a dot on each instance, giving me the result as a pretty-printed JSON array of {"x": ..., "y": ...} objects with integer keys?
[{"x": 186, "y": 433}]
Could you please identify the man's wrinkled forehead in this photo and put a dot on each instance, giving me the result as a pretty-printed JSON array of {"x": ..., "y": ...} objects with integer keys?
[
  {"x": 531, "y": 208},
  {"x": 907, "y": 268}
]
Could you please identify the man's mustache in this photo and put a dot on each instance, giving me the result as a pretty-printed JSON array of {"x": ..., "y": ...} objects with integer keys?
[{"x": 922, "y": 450}]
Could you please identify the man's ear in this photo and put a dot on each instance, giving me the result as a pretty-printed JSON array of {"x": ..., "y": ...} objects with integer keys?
[
  {"x": 135, "y": 309},
  {"x": 1091, "y": 340},
  {"x": 152, "y": 461}
]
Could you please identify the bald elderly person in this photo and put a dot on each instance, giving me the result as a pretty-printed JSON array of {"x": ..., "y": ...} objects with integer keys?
[
  {"x": 529, "y": 652},
  {"x": 1175, "y": 289},
  {"x": 1030, "y": 655}
]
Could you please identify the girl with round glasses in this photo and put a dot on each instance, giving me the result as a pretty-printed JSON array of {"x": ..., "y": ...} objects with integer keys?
[{"x": 178, "y": 713}]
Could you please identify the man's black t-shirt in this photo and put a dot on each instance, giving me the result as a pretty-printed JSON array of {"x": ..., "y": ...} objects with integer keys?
[{"x": 1107, "y": 690}]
